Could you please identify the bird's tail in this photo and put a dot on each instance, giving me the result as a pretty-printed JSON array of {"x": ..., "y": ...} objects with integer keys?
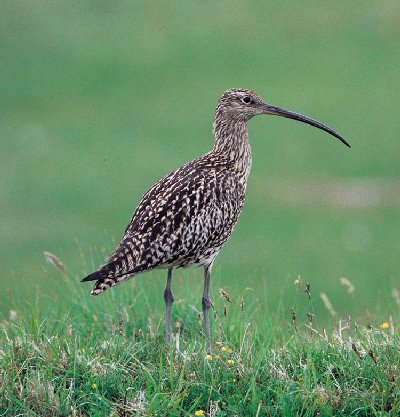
[
  {"x": 120, "y": 267},
  {"x": 103, "y": 284},
  {"x": 104, "y": 280},
  {"x": 94, "y": 276},
  {"x": 107, "y": 276}
]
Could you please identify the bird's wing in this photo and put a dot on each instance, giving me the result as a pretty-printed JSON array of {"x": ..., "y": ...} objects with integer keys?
[{"x": 181, "y": 213}]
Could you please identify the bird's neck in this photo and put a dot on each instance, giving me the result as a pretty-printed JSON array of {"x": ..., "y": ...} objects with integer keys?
[{"x": 232, "y": 142}]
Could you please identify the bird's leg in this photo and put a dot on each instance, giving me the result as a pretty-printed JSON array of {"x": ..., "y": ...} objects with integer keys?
[
  {"x": 169, "y": 299},
  {"x": 206, "y": 304}
]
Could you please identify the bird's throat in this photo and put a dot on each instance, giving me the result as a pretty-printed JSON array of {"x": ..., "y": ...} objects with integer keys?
[{"x": 231, "y": 137}]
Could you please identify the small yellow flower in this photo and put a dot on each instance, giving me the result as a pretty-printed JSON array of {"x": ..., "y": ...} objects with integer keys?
[
  {"x": 226, "y": 349},
  {"x": 207, "y": 358},
  {"x": 83, "y": 350},
  {"x": 199, "y": 412},
  {"x": 230, "y": 362},
  {"x": 385, "y": 325},
  {"x": 94, "y": 386}
]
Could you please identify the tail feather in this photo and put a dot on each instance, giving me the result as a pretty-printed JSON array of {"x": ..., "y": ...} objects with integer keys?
[
  {"x": 103, "y": 285},
  {"x": 94, "y": 276},
  {"x": 118, "y": 268},
  {"x": 105, "y": 280}
]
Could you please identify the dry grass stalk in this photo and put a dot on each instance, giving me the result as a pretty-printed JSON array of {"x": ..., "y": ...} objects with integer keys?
[
  {"x": 391, "y": 328},
  {"x": 396, "y": 295},
  {"x": 358, "y": 353},
  {"x": 308, "y": 290},
  {"x": 310, "y": 322},
  {"x": 224, "y": 294},
  {"x": 347, "y": 284},
  {"x": 321, "y": 395},
  {"x": 213, "y": 408},
  {"x": 345, "y": 327},
  {"x": 178, "y": 327},
  {"x": 120, "y": 328},
  {"x": 392, "y": 374},
  {"x": 293, "y": 313},
  {"x": 54, "y": 260},
  {"x": 373, "y": 357},
  {"x": 73, "y": 411},
  {"x": 150, "y": 328},
  {"x": 348, "y": 320},
  {"x": 325, "y": 334},
  {"x": 13, "y": 315},
  {"x": 328, "y": 305}
]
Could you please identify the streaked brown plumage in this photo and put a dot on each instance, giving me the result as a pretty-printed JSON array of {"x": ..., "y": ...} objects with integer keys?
[{"x": 187, "y": 216}]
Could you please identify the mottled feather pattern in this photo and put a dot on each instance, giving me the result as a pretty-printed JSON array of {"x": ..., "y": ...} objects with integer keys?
[
  {"x": 187, "y": 216},
  {"x": 182, "y": 221}
]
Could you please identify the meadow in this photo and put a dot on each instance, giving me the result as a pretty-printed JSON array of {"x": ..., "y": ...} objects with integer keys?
[{"x": 100, "y": 100}]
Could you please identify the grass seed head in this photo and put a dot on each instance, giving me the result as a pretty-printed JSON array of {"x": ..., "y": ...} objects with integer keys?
[
  {"x": 54, "y": 260},
  {"x": 293, "y": 313},
  {"x": 308, "y": 290},
  {"x": 328, "y": 305},
  {"x": 13, "y": 315},
  {"x": 150, "y": 328},
  {"x": 224, "y": 294},
  {"x": 310, "y": 322},
  {"x": 297, "y": 283},
  {"x": 348, "y": 285},
  {"x": 396, "y": 295}
]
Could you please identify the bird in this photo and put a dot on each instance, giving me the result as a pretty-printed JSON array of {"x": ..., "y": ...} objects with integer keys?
[{"x": 186, "y": 217}]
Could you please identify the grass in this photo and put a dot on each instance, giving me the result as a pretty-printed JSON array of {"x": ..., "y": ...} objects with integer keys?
[
  {"x": 99, "y": 100},
  {"x": 105, "y": 357}
]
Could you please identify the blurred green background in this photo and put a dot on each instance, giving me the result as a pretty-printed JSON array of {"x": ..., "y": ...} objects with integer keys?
[{"x": 100, "y": 99}]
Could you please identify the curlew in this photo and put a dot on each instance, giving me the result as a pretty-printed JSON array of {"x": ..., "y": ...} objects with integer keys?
[{"x": 187, "y": 216}]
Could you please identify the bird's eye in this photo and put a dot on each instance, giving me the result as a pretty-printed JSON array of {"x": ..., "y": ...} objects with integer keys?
[{"x": 246, "y": 100}]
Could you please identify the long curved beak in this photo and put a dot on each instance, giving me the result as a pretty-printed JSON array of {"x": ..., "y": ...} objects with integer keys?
[{"x": 277, "y": 111}]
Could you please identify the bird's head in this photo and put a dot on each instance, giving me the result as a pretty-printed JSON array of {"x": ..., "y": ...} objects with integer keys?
[{"x": 241, "y": 105}]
